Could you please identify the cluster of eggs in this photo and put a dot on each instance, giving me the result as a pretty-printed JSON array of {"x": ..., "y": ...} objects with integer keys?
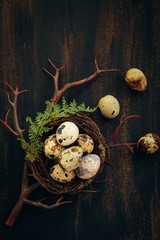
[
  {"x": 109, "y": 107},
  {"x": 135, "y": 80},
  {"x": 73, "y": 152}
]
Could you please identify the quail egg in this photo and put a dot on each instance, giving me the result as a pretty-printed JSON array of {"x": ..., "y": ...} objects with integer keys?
[
  {"x": 136, "y": 80},
  {"x": 51, "y": 147},
  {"x": 109, "y": 106},
  {"x": 67, "y": 133},
  {"x": 61, "y": 175},
  {"x": 149, "y": 143},
  {"x": 88, "y": 166},
  {"x": 86, "y": 143},
  {"x": 69, "y": 158}
]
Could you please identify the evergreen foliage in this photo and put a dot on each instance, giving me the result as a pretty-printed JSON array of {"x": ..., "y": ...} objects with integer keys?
[{"x": 38, "y": 127}]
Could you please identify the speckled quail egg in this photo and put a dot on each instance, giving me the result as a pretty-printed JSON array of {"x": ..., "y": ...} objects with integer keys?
[
  {"x": 135, "y": 79},
  {"x": 69, "y": 158},
  {"x": 51, "y": 147},
  {"x": 61, "y": 175},
  {"x": 86, "y": 143},
  {"x": 88, "y": 167},
  {"x": 67, "y": 133},
  {"x": 109, "y": 106},
  {"x": 149, "y": 143}
]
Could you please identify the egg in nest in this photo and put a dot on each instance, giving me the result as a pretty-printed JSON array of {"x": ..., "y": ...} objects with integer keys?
[
  {"x": 67, "y": 133},
  {"x": 51, "y": 147}
]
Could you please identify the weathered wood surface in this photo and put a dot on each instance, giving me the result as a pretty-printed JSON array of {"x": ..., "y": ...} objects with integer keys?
[{"x": 125, "y": 34}]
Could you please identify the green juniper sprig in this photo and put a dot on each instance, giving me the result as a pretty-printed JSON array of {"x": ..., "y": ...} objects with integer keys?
[{"x": 38, "y": 127}]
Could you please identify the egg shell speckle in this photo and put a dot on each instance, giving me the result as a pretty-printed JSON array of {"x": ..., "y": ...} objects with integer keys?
[
  {"x": 88, "y": 166},
  {"x": 149, "y": 143},
  {"x": 69, "y": 158},
  {"x": 51, "y": 147},
  {"x": 67, "y": 133},
  {"x": 86, "y": 143},
  {"x": 136, "y": 80},
  {"x": 61, "y": 175},
  {"x": 109, "y": 106}
]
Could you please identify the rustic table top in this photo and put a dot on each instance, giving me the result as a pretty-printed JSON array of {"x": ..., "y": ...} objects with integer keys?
[{"x": 125, "y": 34}]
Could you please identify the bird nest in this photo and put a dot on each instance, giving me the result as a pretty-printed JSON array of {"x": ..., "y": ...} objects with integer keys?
[{"x": 41, "y": 169}]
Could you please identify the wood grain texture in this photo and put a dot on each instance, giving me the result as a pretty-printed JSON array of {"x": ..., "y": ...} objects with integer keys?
[{"x": 125, "y": 34}]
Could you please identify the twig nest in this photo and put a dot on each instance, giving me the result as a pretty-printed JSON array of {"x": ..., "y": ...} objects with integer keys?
[
  {"x": 61, "y": 175},
  {"x": 109, "y": 106},
  {"x": 136, "y": 80},
  {"x": 67, "y": 133},
  {"x": 149, "y": 143},
  {"x": 78, "y": 164},
  {"x": 51, "y": 147}
]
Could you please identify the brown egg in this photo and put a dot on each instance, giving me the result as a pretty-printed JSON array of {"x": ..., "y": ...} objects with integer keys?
[
  {"x": 61, "y": 175},
  {"x": 51, "y": 147},
  {"x": 86, "y": 143},
  {"x": 135, "y": 79},
  {"x": 149, "y": 143},
  {"x": 69, "y": 158}
]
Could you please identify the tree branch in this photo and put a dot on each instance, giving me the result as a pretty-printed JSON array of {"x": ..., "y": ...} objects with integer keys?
[
  {"x": 5, "y": 123},
  {"x": 55, "y": 77},
  {"x": 123, "y": 119},
  {"x": 46, "y": 206},
  {"x": 17, "y": 131},
  {"x": 58, "y": 93},
  {"x": 25, "y": 192},
  {"x": 128, "y": 145}
]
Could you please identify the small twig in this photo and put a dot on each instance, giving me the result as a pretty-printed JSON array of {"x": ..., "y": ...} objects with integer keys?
[
  {"x": 58, "y": 93},
  {"x": 123, "y": 119},
  {"x": 5, "y": 123},
  {"x": 128, "y": 145},
  {"x": 55, "y": 77},
  {"x": 46, "y": 206},
  {"x": 17, "y": 131},
  {"x": 25, "y": 192},
  {"x": 105, "y": 180}
]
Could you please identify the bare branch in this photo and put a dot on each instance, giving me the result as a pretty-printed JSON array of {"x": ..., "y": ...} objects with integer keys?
[
  {"x": 123, "y": 119},
  {"x": 17, "y": 131},
  {"x": 26, "y": 190},
  {"x": 10, "y": 87},
  {"x": 5, "y": 123},
  {"x": 6, "y": 118},
  {"x": 46, "y": 206},
  {"x": 9, "y": 100},
  {"x": 128, "y": 145},
  {"x": 58, "y": 93},
  {"x": 23, "y": 91},
  {"x": 54, "y": 77},
  {"x": 53, "y": 65}
]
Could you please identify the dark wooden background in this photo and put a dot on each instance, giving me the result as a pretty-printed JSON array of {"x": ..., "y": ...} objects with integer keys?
[{"x": 126, "y": 34}]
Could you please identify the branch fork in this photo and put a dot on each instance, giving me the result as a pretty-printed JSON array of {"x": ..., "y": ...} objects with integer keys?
[
  {"x": 59, "y": 92},
  {"x": 17, "y": 131},
  {"x": 123, "y": 119}
]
